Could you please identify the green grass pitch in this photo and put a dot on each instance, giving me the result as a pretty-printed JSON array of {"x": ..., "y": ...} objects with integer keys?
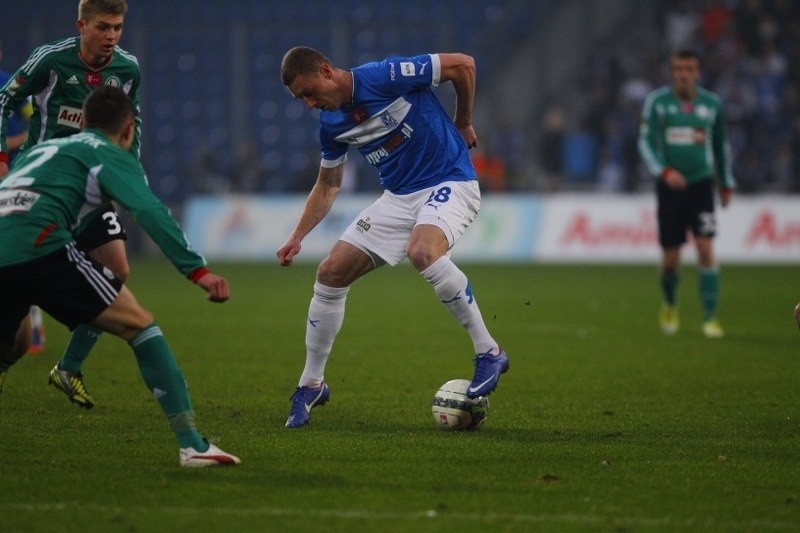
[{"x": 601, "y": 424}]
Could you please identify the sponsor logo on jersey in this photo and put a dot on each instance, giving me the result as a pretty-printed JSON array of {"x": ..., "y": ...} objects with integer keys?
[
  {"x": 392, "y": 144},
  {"x": 72, "y": 80},
  {"x": 685, "y": 136},
  {"x": 94, "y": 79},
  {"x": 702, "y": 111},
  {"x": 408, "y": 69},
  {"x": 17, "y": 201},
  {"x": 113, "y": 81},
  {"x": 70, "y": 117}
]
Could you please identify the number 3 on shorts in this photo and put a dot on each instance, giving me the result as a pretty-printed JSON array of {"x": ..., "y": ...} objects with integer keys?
[{"x": 114, "y": 227}]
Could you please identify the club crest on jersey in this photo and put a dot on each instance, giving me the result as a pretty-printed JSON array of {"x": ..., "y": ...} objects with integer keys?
[
  {"x": 94, "y": 79},
  {"x": 113, "y": 81},
  {"x": 359, "y": 115},
  {"x": 388, "y": 120}
]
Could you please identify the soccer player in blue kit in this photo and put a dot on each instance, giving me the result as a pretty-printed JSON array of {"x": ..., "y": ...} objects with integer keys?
[{"x": 387, "y": 110}]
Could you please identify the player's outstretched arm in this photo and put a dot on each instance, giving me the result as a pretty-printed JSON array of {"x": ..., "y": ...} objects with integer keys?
[
  {"x": 216, "y": 287},
  {"x": 318, "y": 204}
]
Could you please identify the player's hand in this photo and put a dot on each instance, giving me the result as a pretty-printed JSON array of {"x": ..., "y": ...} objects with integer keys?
[
  {"x": 674, "y": 179},
  {"x": 725, "y": 196},
  {"x": 216, "y": 287},
  {"x": 797, "y": 315},
  {"x": 287, "y": 252},
  {"x": 470, "y": 137},
  {"x": 3, "y": 169}
]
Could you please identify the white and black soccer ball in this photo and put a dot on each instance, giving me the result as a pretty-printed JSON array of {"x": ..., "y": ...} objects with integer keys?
[{"x": 453, "y": 410}]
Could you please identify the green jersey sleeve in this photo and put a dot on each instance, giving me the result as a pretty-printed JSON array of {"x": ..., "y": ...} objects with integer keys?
[
  {"x": 722, "y": 152},
  {"x": 651, "y": 132},
  {"x": 123, "y": 179}
]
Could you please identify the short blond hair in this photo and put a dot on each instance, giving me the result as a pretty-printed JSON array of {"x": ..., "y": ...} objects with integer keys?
[{"x": 88, "y": 9}]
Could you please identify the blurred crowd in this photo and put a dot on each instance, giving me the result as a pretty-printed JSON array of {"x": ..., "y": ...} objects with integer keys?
[{"x": 751, "y": 58}]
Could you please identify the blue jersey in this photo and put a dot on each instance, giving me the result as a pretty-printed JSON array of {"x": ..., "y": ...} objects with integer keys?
[{"x": 398, "y": 125}]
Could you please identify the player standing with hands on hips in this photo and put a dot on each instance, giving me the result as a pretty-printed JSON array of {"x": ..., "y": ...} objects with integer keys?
[
  {"x": 59, "y": 185},
  {"x": 683, "y": 142},
  {"x": 59, "y": 75},
  {"x": 389, "y": 113}
]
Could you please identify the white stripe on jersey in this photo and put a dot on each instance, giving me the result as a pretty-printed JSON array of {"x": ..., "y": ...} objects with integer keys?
[
  {"x": 41, "y": 98},
  {"x": 379, "y": 125},
  {"x": 127, "y": 55},
  {"x": 101, "y": 285},
  {"x": 43, "y": 51}
]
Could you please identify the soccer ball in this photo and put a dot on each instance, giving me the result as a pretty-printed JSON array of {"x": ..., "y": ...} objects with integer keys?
[{"x": 453, "y": 410}]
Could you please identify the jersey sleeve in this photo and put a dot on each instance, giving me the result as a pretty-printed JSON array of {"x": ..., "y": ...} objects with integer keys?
[
  {"x": 137, "y": 137},
  {"x": 27, "y": 80},
  {"x": 334, "y": 153},
  {"x": 722, "y": 151},
  {"x": 402, "y": 75},
  {"x": 123, "y": 180},
  {"x": 650, "y": 129}
]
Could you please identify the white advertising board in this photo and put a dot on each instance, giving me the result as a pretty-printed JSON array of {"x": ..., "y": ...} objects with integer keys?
[{"x": 570, "y": 228}]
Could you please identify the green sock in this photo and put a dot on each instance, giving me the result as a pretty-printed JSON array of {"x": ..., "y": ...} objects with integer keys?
[
  {"x": 80, "y": 344},
  {"x": 165, "y": 380},
  {"x": 669, "y": 287},
  {"x": 708, "y": 282}
]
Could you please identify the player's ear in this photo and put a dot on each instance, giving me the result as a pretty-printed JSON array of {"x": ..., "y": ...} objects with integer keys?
[
  {"x": 128, "y": 131},
  {"x": 326, "y": 71},
  {"x": 80, "y": 25}
]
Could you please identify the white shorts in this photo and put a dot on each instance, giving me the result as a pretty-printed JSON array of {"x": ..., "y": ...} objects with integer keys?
[{"x": 382, "y": 230}]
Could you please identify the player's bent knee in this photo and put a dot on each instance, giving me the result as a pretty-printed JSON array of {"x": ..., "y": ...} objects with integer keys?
[
  {"x": 422, "y": 257},
  {"x": 122, "y": 273}
]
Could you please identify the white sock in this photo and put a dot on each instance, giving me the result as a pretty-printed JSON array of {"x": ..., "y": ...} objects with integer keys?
[
  {"x": 36, "y": 317},
  {"x": 325, "y": 317},
  {"x": 454, "y": 290}
]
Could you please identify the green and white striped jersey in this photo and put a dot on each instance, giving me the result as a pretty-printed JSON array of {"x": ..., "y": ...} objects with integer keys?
[
  {"x": 689, "y": 136},
  {"x": 58, "y": 80},
  {"x": 58, "y": 186}
]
